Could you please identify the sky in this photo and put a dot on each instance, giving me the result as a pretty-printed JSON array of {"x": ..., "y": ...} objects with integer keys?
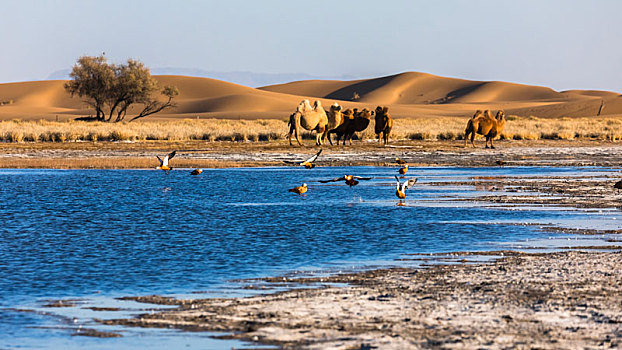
[{"x": 562, "y": 44}]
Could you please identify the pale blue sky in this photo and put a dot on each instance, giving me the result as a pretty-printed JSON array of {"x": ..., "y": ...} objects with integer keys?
[{"x": 563, "y": 44}]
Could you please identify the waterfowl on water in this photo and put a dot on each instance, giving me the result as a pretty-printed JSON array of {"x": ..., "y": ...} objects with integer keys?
[
  {"x": 403, "y": 169},
  {"x": 196, "y": 171},
  {"x": 164, "y": 162},
  {"x": 351, "y": 180},
  {"x": 307, "y": 163},
  {"x": 299, "y": 189},
  {"x": 400, "y": 188}
]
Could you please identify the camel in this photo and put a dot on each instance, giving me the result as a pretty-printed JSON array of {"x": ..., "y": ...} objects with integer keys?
[
  {"x": 311, "y": 118},
  {"x": 485, "y": 124},
  {"x": 353, "y": 121},
  {"x": 335, "y": 118},
  {"x": 384, "y": 124}
]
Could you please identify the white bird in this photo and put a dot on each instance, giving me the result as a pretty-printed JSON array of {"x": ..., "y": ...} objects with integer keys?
[
  {"x": 307, "y": 163},
  {"x": 400, "y": 188},
  {"x": 164, "y": 162}
]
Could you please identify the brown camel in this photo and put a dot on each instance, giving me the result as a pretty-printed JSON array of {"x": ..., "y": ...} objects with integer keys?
[
  {"x": 485, "y": 124},
  {"x": 311, "y": 118},
  {"x": 335, "y": 118},
  {"x": 353, "y": 121},
  {"x": 384, "y": 124}
]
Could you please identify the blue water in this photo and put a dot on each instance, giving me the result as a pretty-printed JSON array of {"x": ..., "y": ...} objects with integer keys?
[{"x": 108, "y": 233}]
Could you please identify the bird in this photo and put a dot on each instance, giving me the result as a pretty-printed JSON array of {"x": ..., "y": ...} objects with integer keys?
[
  {"x": 196, "y": 171},
  {"x": 500, "y": 162},
  {"x": 400, "y": 161},
  {"x": 299, "y": 189},
  {"x": 618, "y": 185},
  {"x": 403, "y": 169},
  {"x": 307, "y": 163},
  {"x": 351, "y": 180},
  {"x": 164, "y": 162},
  {"x": 400, "y": 188}
]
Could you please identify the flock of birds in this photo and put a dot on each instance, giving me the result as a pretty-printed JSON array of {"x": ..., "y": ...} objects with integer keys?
[
  {"x": 353, "y": 180},
  {"x": 350, "y": 180}
]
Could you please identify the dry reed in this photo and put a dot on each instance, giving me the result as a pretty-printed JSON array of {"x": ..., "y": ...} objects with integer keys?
[{"x": 436, "y": 128}]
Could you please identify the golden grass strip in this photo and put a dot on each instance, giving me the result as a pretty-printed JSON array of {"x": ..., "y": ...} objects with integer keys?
[{"x": 212, "y": 130}]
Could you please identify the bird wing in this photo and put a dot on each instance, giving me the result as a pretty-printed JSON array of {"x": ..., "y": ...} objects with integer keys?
[
  {"x": 397, "y": 183},
  {"x": 410, "y": 183},
  {"x": 333, "y": 180},
  {"x": 167, "y": 158},
  {"x": 362, "y": 178},
  {"x": 161, "y": 162},
  {"x": 312, "y": 159}
]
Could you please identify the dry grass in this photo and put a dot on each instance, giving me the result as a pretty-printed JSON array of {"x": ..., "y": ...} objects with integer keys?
[
  {"x": 121, "y": 163},
  {"x": 208, "y": 130},
  {"x": 516, "y": 128},
  {"x": 438, "y": 128}
]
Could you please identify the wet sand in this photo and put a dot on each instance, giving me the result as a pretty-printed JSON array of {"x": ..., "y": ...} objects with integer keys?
[
  {"x": 568, "y": 300},
  {"x": 105, "y": 155}
]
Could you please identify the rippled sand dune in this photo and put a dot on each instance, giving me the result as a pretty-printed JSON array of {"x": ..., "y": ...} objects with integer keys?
[{"x": 409, "y": 94}]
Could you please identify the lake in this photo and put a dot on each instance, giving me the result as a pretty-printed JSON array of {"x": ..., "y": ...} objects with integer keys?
[{"x": 94, "y": 235}]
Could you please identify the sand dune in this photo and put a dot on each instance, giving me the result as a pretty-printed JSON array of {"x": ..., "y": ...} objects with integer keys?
[{"x": 408, "y": 94}]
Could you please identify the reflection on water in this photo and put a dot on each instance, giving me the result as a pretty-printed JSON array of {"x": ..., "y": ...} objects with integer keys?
[{"x": 100, "y": 234}]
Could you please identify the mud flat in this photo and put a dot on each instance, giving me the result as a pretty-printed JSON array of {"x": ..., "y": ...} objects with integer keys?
[
  {"x": 234, "y": 154},
  {"x": 567, "y": 300}
]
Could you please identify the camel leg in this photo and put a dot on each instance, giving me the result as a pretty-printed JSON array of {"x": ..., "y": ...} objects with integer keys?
[
  {"x": 298, "y": 137},
  {"x": 289, "y": 135},
  {"x": 328, "y": 137},
  {"x": 491, "y": 145},
  {"x": 473, "y": 139}
]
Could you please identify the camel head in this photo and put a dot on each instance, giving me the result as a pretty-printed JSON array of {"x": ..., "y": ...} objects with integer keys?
[
  {"x": 500, "y": 115},
  {"x": 335, "y": 107},
  {"x": 348, "y": 113}
]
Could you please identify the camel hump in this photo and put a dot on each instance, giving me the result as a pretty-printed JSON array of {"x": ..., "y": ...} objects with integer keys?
[{"x": 317, "y": 105}]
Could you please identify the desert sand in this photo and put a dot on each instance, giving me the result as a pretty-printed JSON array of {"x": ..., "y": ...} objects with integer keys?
[{"x": 409, "y": 94}]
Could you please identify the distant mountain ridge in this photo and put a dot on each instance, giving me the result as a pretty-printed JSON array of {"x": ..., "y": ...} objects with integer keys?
[{"x": 246, "y": 78}]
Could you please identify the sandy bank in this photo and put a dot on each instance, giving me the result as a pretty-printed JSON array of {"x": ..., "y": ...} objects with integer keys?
[
  {"x": 566, "y": 300},
  {"x": 106, "y": 155}
]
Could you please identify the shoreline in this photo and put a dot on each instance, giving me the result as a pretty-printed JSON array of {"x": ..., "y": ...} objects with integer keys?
[
  {"x": 199, "y": 154},
  {"x": 565, "y": 300}
]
